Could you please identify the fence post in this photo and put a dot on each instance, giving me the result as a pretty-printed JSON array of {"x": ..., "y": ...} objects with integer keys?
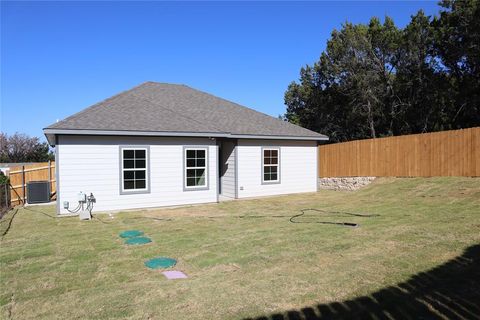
[
  {"x": 50, "y": 177},
  {"x": 23, "y": 185},
  {"x": 5, "y": 186}
]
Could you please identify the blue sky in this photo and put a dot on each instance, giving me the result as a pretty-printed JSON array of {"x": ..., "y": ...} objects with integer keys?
[{"x": 60, "y": 57}]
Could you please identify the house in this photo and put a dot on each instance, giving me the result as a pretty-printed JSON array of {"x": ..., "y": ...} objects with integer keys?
[{"x": 163, "y": 144}]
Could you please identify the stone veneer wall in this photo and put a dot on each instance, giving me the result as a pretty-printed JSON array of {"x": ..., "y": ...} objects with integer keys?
[{"x": 346, "y": 183}]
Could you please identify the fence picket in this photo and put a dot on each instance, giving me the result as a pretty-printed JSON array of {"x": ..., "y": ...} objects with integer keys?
[
  {"x": 20, "y": 176},
  {"x": 445, "y": 153}
]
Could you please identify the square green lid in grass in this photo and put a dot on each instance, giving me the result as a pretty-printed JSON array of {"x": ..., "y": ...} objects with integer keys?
[{"x": 160, "y": 263}]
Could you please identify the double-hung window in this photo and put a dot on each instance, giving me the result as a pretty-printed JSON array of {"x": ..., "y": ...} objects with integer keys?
[
  {"x": 134, "y": 169},
  {"x": 270, "y": 165},
  {"x": 196, "y": 173}
]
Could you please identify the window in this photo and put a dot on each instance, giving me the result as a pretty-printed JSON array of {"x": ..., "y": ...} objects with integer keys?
[
  {"x": 195, "y": 168},
  {"x": 134, "y": 169},
  {"x": 270, "y": 165}
]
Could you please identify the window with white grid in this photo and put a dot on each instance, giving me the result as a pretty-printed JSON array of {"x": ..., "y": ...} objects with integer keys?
[
  {"x": 270, "y": 163},
  {"x": 134, "y": 169},
  {"x": 195, "y": 168}
]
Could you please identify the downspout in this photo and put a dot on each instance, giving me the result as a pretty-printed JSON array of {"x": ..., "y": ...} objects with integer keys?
[{"x": 57, "y": 175}]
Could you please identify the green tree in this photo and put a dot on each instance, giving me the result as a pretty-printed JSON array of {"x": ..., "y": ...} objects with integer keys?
[
  {"x": 22, "y": 148},
  {"x": 457, "y": 44},
  {"x": 345, "y": 93},
  {"x": 377, "y": 80},
  {"x": 424, "y": 91}
]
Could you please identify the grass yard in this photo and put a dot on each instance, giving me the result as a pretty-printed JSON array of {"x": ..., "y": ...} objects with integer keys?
[{"x": 420, "y": 258}]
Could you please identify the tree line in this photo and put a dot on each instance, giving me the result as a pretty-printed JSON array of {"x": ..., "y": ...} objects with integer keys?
[
  {"x": 376, "y": 79},
  {"x": 20, "y": 147}
]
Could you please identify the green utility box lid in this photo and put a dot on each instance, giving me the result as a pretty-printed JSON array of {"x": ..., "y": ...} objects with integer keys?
[
  {"x": 138, "y": 240},
  {"x": 160, "y": 263},
  {"x": 131, "y": 233}
]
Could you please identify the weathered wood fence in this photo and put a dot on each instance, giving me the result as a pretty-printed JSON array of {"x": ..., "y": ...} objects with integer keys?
[
  {"x": 445, "y": 153},
  {"x": 21, "y": 175}
]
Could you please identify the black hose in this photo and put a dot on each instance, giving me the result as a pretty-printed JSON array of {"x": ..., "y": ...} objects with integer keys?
[
  {"x": 10, "y": 223},
  {"x": 101, "y": 220},
  {"x": 362, "y": 215},
  {"x": 38, "y": 211},
  {"x": 292, "y": 219},
  {"x": 55, "y": 217},
  {"x": 76, "y": 209},
  {"x": 346, "y": 224},
  {"x": 151, "y": 218}
]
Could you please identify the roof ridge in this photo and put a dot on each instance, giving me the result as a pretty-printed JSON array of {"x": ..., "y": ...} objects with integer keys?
[
  {"x": 96, "y": 104},
  {"x": 167, "y": 83},
  {"x": 250, "y": 109},
  {"x": 174, "y": 111}
]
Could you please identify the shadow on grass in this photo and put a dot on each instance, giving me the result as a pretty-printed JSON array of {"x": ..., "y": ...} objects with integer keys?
[{"x": 449, "y": 291}]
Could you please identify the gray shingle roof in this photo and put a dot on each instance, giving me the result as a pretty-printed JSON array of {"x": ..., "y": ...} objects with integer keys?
[{"x": 161, "y": 107}]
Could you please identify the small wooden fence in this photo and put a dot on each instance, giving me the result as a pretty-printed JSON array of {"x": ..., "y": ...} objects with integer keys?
[
  {"x": 21, "y": 175},
  {"x": 445, "y": 153}
]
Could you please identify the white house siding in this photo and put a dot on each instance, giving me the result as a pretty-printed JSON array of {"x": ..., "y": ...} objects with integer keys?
[
  {"x": 228, "y": 169},
  {"x": 91, "y": 164},
  {"x": 298, "y": 167}
]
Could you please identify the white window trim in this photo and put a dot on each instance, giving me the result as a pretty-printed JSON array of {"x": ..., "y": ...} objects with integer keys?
[
  {"x": 147, "y": 171},
  {"x": 202, "y": 187},
  {"x": 270, "y": 165}
]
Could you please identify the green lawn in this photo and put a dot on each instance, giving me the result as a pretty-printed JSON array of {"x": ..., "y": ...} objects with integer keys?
[{"x": 420, "y": 256}]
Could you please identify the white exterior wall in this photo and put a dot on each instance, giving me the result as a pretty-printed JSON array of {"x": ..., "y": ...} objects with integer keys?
[
  {"x": 228, "y": 177},
  {"x": 298, "y": 167},
  {"x": 92, "y": 164}
]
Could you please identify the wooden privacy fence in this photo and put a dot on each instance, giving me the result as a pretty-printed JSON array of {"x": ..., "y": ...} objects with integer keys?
[
  {"x": 445, "y": 153},
  {"x": 21, "y": 175}
]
